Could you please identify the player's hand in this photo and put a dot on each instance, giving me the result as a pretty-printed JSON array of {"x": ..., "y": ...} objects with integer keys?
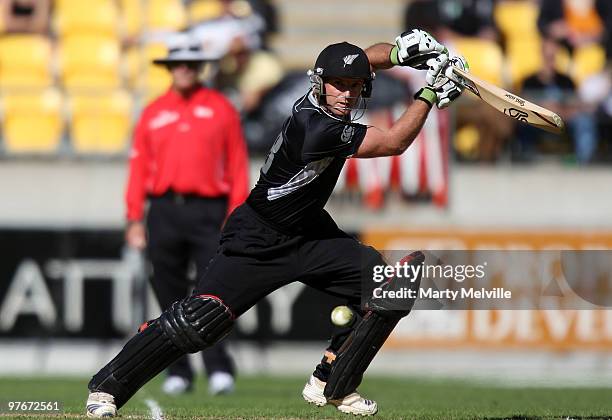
[
  {"x": 135, "y": 235},
  {"x": 441, "y": 78},
  {"x": 414, "y": 48},
  {"x": 460, "y": 62},
  {"x": 436, "y": 68},
  {"x": 448, "y": 92}
]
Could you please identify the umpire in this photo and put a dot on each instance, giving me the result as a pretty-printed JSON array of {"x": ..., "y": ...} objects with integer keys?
[{"x": 189, "y": 160}]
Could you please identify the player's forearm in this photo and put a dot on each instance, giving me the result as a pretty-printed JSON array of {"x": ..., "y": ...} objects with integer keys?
[
  {"x": 398, "y": 138},
  {"x": 379, "y": 56},
  {"x": 406, "y": 129}
]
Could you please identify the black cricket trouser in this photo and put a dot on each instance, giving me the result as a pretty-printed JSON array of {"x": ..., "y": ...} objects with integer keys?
[
  {"x": 254, "y": 259},
  {"x": 184, "y": 229}
]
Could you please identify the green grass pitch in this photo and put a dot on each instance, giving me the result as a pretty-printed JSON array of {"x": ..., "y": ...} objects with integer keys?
[{"x": 280, "y": 398}]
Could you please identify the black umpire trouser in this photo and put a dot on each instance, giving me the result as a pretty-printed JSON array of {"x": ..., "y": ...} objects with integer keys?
[{"x": 184, "y": 229}]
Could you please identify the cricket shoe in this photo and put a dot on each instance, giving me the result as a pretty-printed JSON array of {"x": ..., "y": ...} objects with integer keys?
[
  {"x": 101, "y": 404},
  {"x": 351, "y": 404},
  {"x": 176, "y": 385},
  {"x": 220, "y": 383}
]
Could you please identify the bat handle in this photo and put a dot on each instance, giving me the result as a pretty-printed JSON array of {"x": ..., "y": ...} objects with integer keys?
[{"x": 465, "y": 83}]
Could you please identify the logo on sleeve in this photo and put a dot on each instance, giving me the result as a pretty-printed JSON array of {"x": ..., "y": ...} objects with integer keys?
[
  {"x": 347, "y": 133},
  {"x": 348, "y": 59}
]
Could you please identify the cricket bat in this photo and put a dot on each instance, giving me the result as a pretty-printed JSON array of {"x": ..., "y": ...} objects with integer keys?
[{"x": 512, "y": 105}]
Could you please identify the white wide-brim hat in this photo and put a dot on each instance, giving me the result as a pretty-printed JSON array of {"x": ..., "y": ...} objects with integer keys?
[{"x": 184, "y": 49}]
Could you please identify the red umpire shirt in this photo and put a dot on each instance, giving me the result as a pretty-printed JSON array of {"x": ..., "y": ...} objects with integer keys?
[{"x": 188, "y": 145}]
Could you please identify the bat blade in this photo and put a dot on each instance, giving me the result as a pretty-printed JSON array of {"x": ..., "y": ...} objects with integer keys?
[{"x": 512, "y": 105}]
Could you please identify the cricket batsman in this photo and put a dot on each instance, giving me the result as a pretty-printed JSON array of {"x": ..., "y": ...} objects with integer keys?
[{"x": 282, "y": 233}]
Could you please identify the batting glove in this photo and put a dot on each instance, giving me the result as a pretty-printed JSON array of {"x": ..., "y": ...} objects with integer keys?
[
  {"x": 458, "y": 61},
  {"x": 443, "y": 81},
  {"x": 436, "y": 68},
  {"x": 414, "y": 48}
]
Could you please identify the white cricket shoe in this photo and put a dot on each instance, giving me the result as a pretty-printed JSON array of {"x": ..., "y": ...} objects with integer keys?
[
  {"x": 176, "y": 385},
  {"x": 220, "y": 383},
  {"x": 101, "y": 404},
  {"x": 351, "y": 404}
]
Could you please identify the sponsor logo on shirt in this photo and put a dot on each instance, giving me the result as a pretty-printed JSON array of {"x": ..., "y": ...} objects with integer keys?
[
  {"x": 162, "y": 119},
  {"x": 347, "y": 133},
  {"x": 203, "y": 112}
]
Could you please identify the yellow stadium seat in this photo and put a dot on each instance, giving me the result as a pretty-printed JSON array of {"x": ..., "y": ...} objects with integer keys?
[
  {"x": 33, "y": 121},
  {"x": 485, "y": 58},
  {"x": 524, "y": 59},
  {"x": 133, "y": 65},
  {"x": 97, "y": 17},
  {"x": 25, "y": 61},
  {"x": 100, "y": 123},
  {"x": 165, "y": 15},
  {"x": 516, "y": 18},
  {"x": 90, "y": 62},
  {"x": 202, "y": 10},
  {"x": 132, "y": 19},
  {"x": 154, "y": 79},
  {"x": 588, "y": 60}
]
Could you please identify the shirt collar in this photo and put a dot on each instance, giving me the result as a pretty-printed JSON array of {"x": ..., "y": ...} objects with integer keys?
[{"x": 175, "y": 97}]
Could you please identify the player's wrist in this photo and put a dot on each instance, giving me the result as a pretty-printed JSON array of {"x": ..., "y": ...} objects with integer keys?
[
  {"x": 394, "y": 56},
  {"x": 427, "y": 95}
]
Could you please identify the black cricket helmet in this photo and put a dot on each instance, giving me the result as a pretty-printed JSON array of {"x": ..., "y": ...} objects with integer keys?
[{"x": 341, "y": 60}]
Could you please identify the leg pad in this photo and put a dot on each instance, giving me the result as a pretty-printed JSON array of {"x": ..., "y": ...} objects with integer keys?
[
  {"x": 187, "y": 326},
  {"x": 356, "y": 354}
]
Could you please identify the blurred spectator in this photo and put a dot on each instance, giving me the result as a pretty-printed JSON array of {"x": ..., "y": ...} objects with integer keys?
[
  {"x": 468, "y": 18},
  {"x": 233, "y": 18},
  {"x": 604, "y": 8},
  {"x": 571, "y": 22},
  {"x": 26, "y": 15},
  {"x": 596, "y": 92},
  {"x": 267, "y": 10},
  {"x": 452, "y": 18},
  {"x": 557, "y": 92},
  {"x": 246, "y": 75},
  {"x": 423, "y": 14}
]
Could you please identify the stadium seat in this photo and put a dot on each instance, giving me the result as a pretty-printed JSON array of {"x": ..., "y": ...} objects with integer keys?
[
  {"x": 89, "y": 62},
  {"x": 33, "y": 121},
  {"x": 524, "y": 58},
  {"x": 100, "y": 123},
  {"x": 202, "y": 10},
  {"x": 165, "y": 15},
  {"x": 132, "y": 19},
  {"x": 154, "y": 79},
  {"x": 485, "y": 58},
  {"x": 97, "y": 17},
  {"x": 517, "y": 18},
  {"x": 133, "y": 66},
  {"x": 25, "y": 70},
  {"x": 588, "y": 60}
]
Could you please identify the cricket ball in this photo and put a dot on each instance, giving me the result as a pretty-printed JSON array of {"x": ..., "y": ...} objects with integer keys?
[{"x": 342, "y": 316}]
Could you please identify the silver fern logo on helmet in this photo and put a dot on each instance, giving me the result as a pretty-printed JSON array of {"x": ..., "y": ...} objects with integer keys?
[{"x": 348, "y": 59}]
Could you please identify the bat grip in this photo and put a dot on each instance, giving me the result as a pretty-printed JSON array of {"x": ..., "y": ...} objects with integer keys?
[{"x": 466, "y": 84}]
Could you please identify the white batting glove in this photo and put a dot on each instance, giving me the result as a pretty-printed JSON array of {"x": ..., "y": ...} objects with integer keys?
[
  {"x": 448, "y": 92},
  {"x": 414, "y": 48},
  {"x": 458, "y": 61},
  {"x": 436, "y": 69},
  {"x": 442, "y": 80}
]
